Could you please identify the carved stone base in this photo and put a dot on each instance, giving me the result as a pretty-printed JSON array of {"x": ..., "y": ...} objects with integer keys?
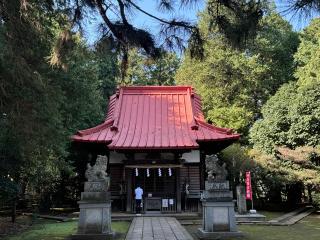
[
  {"x": 95, "y": 197},
  {"x": 92, "y": 236},
  {"x": 217, "y": 191},
  {"x": 202, "y": 234},
  {"x": 214, "y": 185},
  {"x": 218, "y": 217},
  {"x": 94, "y": 219},
  {"x": 218, "y": 195},
  {"x": 96, "y": 186}
]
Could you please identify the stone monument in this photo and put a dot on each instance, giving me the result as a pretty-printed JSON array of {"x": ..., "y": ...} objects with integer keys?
[
  {"x": 241, "y": 199},
  {"x": 243, "y": 216},
  {"x": 95, "y": 204},
  {"x": 218, "y": 208}
]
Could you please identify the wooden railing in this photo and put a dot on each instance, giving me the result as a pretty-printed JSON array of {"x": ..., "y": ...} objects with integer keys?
[
  {"x": 193, "y": 203},
  {"x": 171, "y": 207}
]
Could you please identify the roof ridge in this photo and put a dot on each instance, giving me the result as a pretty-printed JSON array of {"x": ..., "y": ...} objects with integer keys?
[
  {"x": 155, "y": 87},
  {"x": 228, "y": 131},
  {"x": 194, "y": 124},
  {"x": 95, "y": 129},
  {"x": 117, "y": 109}
]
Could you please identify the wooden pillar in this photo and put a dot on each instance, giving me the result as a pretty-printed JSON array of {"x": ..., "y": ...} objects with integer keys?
[
  {"x": 178, "y": 187},
  {"x": 202, "y": 169},
  {"x": 129, "y": 189}
]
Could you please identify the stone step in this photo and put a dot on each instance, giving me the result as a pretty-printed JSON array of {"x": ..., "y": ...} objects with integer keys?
[
  {"x": 300, "y": 216},
  {"x": 288, "y": 215},
  {"x": 250, "y": 217},
  {"x": 296, "y": 218},
  {"x": 292, "y": 217}
]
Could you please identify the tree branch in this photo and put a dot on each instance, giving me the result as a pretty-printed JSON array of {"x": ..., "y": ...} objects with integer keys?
[
  {"x": 175, "y": 23},
  {"x": 123, "y": 16},
  {"x": 110, "y": 25}
]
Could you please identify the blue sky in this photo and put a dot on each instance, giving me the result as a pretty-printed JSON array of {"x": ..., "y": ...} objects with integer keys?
[{"x": 140, "y": 20}]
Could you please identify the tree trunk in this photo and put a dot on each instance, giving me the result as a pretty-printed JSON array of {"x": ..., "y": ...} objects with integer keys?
[
  {"x": 14, "y": 210},
  {"x": 294, "y": 194},
  {"x": 274, "y": 194},
  {"x": 309, "y": 194}
]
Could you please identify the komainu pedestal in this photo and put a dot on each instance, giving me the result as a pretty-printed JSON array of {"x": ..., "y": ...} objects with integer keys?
[
  {"x": 95, "y": 204},
  {"x": 218, "y": 208}
]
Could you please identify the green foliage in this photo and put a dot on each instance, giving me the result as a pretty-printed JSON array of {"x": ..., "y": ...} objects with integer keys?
[
  {"x": 276, "y": 45},
  {"x": 238, "y": 20},
  {"x": 222, "y": 81},
  {"x": 290, "y": 121},
  {"x": 145, "y": 71},
  {"x": 27, "y": 101},
  {"x": 289, "y": 169},
  {"x": 234, "y": 84},
  {"x": 8, "y": 189},
  {"x": 235, "y": 117},
  {"x": 238, "y": 162},
  {"x": 273, "y": 129},
  {"x": 308, "y": 55},
  {"x": 237, "y": 158},
  {"x": 108, "y": 69},
  {"x": 316, "y": 198},
  {"x": 41, "y": 106},
  {"x": 290, "y": 118}
]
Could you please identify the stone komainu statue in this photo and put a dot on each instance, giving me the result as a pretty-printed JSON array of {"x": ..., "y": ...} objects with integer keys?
[
  {"x": 215, "y": 171},
  {"x": 97, "y": 172}
]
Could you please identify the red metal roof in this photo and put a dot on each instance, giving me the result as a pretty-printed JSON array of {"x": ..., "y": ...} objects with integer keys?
[{"x": 154, "y": 117}]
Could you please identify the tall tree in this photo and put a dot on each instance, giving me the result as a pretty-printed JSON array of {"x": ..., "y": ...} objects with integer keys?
[
  {"x": 118, "y": 27},
  {"x": 234, "y": 84},
  {"x": 145, "y": 71},
  {"x": 237, "y": 20},
  {"x": 308, "y": 55},
  {"x": 291, "y": 116},
  {"x": 286, "y": 138},
  {"x": 41, "y": 105}
]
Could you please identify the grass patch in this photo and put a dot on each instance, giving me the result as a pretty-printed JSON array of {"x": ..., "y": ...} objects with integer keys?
[
  {"x": 308, "y": 228},
  {"x": 271, "y": 215},
  {"x": 52, "y": 230}
]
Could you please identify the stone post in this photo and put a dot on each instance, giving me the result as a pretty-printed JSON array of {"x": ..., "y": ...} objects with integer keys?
[
  {"x": 218, "y": 208},
  {"x": 95, "y": 204},
  {"x": 241, "y": 199}
]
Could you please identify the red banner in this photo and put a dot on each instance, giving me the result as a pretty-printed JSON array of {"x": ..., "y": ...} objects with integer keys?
[{"x": 248, "y": 186}]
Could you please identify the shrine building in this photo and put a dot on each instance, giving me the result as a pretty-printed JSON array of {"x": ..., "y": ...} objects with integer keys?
[{"x": 155, "y": 137}]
